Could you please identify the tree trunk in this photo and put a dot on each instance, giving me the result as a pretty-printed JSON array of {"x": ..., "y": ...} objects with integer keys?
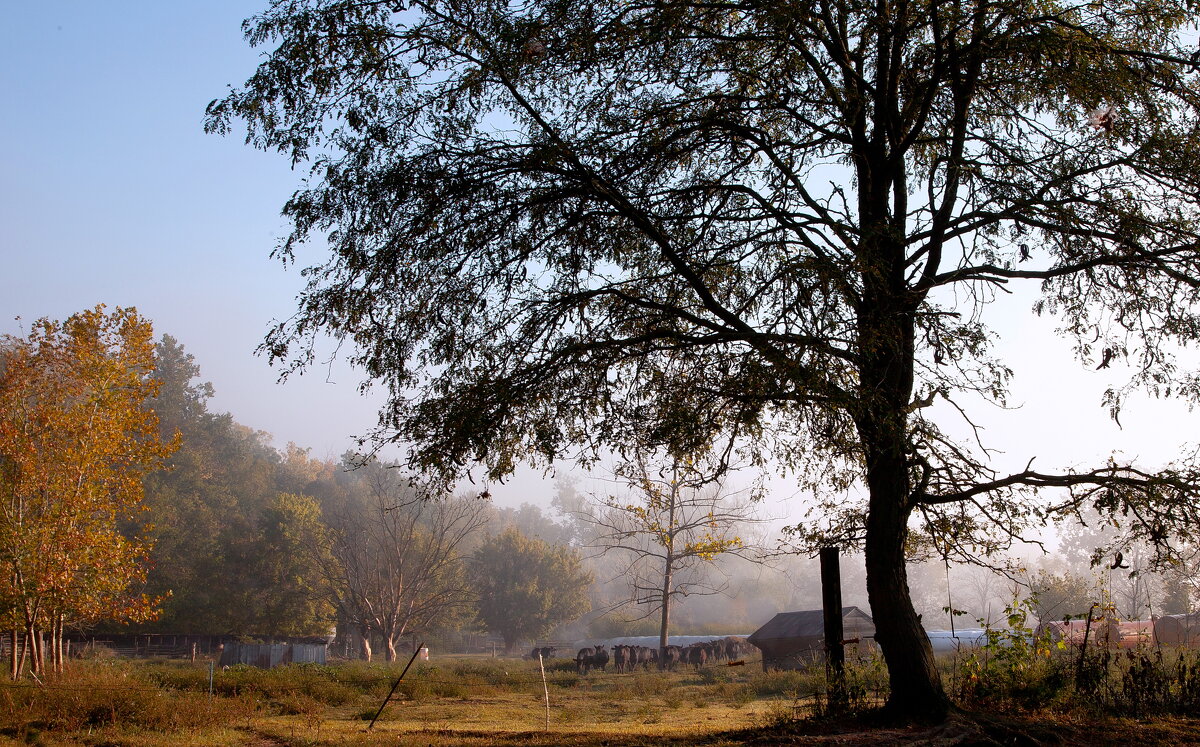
[
  {"x": 37, "y": 661},
  {"x": 25, "y": 654},
  {"x": 59, "y": 644},
  {"x": 916, "y": 685},
  {"x": 365, "y": 640},
  {"x": 665, "y": 624},
  {"x": 54, "y": 644},
  {"x": 14, "y": 669},
  {"x": 391, "y": 648},
  {"x": 886, "y": 337}
]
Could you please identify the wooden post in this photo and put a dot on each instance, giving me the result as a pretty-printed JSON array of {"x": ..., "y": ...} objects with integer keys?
[
  {"x": 545, "y": 689},
  {"x": 835, "y": 652}
]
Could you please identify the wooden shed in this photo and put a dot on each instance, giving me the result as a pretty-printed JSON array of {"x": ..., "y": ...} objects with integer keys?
[
  {"x": 269, "y": 655},
  {"x": 794, "y": 640}
]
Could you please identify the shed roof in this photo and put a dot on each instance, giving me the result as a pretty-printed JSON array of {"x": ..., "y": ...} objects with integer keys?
[{"x": 802, "y": 624}]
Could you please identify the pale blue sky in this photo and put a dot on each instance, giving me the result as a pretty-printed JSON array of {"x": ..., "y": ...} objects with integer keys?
[{"x": 111, "y": 192}]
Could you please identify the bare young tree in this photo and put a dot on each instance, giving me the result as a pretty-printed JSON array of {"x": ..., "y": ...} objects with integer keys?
[
  {"x": 669, "y": 529},
  {"x": 398, "y": 557}
]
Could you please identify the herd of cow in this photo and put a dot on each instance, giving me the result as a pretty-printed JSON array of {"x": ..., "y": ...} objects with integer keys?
[{"x": 629, "y": 658}]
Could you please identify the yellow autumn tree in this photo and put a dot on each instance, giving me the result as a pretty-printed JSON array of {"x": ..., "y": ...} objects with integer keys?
[
  {"x": 76, "y": 439},
  {"x": 671, "y": 527}
]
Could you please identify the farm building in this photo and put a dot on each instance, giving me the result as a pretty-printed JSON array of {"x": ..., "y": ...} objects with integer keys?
[
  {"x": 1178, "y": 630},
  {"x": 954, "y": 641},
  {"x": 268, "y": 655},
  {"x": 793, "y": 640}
]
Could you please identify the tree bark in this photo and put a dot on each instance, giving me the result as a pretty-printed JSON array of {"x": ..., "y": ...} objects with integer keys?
[
  {"x": 665, "y": 622},
  {"x": 916, "y": 686},
  {"x": 37, "y": 651},
  {"x": 886, "y": 335},
  {"x": 364, "y": 638},
  {"x": 25, "y": 654},
  {"x": 55, "y": 642},
  {"x": 668, "y": 563}
]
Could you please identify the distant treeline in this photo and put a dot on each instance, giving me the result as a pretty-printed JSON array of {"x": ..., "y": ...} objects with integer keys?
[{"x": 250, "y": 540}]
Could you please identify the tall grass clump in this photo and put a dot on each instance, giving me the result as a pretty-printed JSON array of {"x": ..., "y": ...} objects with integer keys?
[{"x": 113, "y": 694}]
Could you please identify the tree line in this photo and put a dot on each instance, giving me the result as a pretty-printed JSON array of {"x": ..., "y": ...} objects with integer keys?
[
  {"x": 254, "y": 541},
  {"x": 131, "y": 506},
  {"x": 126, "y": 504}
]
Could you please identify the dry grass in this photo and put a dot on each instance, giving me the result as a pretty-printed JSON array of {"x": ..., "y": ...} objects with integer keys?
[
  {"x": 470, "y": 700},
  {"x": 473, "y": 701}
]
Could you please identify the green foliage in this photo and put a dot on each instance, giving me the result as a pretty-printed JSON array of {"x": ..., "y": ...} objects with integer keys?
[
  {"x": 292, "y": 575},
  {"x": 1013, "y": 666},
  {"x": 775, "y": 227},
  {"x": 1061, "y": 596},
  {"x": 525, "y": 587}
]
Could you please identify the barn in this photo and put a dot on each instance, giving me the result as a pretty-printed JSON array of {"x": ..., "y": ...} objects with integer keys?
[{"x": 794, "y": 640}]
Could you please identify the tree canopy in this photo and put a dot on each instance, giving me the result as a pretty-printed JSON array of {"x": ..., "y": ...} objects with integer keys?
[
  {"x": 526, "y": 587},
  {"x": 555, "y": 228},
  {"x": 76, "y": 440}
]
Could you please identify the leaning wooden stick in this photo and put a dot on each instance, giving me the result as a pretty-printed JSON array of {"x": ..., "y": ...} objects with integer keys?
[
  {"x": 545, "y": 688},
  {"x": 395, "y": 684}
]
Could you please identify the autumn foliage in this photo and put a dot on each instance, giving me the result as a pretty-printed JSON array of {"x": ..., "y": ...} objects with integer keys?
[{"x": 76, "y": 439}]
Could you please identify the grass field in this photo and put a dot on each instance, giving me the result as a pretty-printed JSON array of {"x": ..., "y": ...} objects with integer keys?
[
  {"x": 462, "y": 700},
  {"x": 476, "y": 701}
]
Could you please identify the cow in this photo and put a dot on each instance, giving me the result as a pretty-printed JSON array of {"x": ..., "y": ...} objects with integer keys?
[
  {"x": 584, "y": 660},
  {"x": 600, "y": 658},
  {"x": 671, "y": 656},
  {"x": 621, "y": 657},
  {"x": 590, "y": 657}
]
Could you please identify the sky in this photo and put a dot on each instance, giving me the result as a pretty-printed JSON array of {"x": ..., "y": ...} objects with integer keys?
[{"x": 112, "y": 193}]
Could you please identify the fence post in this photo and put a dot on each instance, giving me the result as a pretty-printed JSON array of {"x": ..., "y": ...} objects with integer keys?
[
  {"x": 545, "y": 689},
  {"x": 835, "y": 652}
]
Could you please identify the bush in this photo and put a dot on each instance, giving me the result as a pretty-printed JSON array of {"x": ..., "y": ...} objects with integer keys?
[{"x": 1013, "y": 668}]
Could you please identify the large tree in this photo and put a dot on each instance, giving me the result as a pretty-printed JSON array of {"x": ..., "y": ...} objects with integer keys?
[
  {"x": 525, "y": 587},
  {"x": 557, "y": 226},
  {"x": 398, "y": 565},
  {"x": 77, "y": 438}
]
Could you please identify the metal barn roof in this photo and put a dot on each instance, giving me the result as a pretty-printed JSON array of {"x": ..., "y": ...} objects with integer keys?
[{"x": 807, "y": 624}]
